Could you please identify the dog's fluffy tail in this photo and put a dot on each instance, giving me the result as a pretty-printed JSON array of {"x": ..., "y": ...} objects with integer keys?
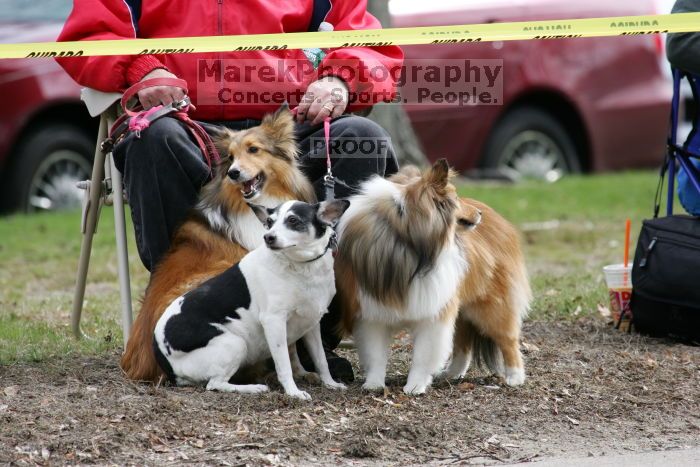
[
  {"x": 139, "y": 361},
  {"x": 163, "y": 363},
  {"x": 486, "y": 354},
  {"x": 483, "y": 350}
]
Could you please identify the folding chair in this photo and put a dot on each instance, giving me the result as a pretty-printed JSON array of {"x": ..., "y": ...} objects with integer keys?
[
  {"x": 686, "y": 156},
  {"x": 106, "y": 181}
]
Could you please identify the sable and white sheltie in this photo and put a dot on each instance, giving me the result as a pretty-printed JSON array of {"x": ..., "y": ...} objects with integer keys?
[
  {"x": 411, "y": 256},
  {"x": 259, "y": 166}
]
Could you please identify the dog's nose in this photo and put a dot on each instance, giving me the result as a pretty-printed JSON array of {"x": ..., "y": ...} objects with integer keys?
[
  {"x": 234, "y": 174},
  {"x": 270, "y": 239}
]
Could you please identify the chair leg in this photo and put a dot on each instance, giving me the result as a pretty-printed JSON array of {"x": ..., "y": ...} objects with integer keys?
[
  {"x": 89, "y": 226},
  {"x": 122, "y": 251}
]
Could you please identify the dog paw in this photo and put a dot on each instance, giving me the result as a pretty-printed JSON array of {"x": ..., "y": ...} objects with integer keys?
[
  {"x": 334, "y": 385},
  {"x": 257, "y": 388},
  {"x": 449, "y": 376},
  {"x": 441, "y": 376},
  {"x": 514, "y": 376},
  {"x": 415, "y": 389},
  {"x": 373, "y": 386},
  {"x": 301, "y": 395}
]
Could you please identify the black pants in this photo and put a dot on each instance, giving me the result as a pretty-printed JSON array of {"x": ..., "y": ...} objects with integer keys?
[{"x": 164, "y": 169}]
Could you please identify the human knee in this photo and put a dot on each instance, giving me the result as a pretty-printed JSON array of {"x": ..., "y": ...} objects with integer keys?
[
  {"x": 167, "y": 148},
  {"x": 360, "y": 127},
  {"x": 151, "y": 145},
  {"x": 360, "y": 135},
  {"x": 162, "y": 129}
]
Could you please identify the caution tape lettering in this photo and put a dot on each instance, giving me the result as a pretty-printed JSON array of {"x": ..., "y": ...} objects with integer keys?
[
  {"x": 51, "y": 54},
  {"x": 530, "y": 30}
]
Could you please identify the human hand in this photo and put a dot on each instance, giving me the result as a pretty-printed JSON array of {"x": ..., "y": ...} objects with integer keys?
[
  {"x": 157, "y": 95},
  {"x": 324, "y": 97}
]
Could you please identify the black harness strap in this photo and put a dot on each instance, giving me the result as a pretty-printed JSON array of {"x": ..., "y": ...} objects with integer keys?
[{"x": 332, "y": 245}]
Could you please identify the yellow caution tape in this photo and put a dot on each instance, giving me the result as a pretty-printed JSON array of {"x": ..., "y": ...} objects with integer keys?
[{"x": 528, "y": 30}]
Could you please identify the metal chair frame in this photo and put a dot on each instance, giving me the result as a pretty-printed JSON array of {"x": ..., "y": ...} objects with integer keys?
[{"x": 106, "y": 180}]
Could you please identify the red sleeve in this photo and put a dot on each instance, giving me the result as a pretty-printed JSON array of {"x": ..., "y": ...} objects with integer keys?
[
  {"x": 103, "y": 20},
  {"x": 368, "y": 71}
]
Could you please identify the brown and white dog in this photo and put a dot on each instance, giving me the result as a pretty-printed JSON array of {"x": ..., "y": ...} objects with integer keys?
[
  {"x": 259, "y": 166},
  {"x": 410, "y": 258}
]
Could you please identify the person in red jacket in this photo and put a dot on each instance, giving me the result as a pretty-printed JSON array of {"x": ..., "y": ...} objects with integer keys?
[
  {"x": 164, "y": 169},
  {"x": 328, "y": 90}
]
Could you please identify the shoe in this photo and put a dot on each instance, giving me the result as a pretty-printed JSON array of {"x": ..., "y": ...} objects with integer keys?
[{"x": 340, "y": 368}]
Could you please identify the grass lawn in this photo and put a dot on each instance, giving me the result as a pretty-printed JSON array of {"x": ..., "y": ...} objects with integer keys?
[{"x": 571, "y": 229}]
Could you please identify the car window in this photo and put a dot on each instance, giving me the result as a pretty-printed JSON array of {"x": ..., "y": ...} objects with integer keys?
[{"x": 34, "y": 10}]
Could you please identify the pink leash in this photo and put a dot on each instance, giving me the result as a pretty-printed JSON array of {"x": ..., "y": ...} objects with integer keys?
[
  {"x": 140, "y": 120},
  {"x": 137, "y": 120},
  {"x": 328, "y": 179}
]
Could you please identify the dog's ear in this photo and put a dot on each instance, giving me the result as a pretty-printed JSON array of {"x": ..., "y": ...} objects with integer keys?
[
  {"x": 469, "y": 216},
  {"x": 278, "y": 128},
  {"x": 261, "y": 212},
  {"x": 220, "y": 169},
  {"x": 281, "y": 120},
  {"x": 329, "y": 212},
  {"x": 439, "y": 174},
  {"x": 222, "y": 137},
  {"x": 410, "y": 171},
  {"x": 469, "y": 223},
  {"x": 406, "y": 174}
]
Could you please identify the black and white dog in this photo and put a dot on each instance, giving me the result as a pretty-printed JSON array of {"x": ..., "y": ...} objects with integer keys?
[{"x": 258, "y": 308}]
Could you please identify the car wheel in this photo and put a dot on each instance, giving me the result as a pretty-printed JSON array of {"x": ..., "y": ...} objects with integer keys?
[
  {"x": 48, "y": 164},
  {"x": 530, "y": 143}
]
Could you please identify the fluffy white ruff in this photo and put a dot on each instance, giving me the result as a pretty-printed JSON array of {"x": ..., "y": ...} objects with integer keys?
[{"x": 427, "y": 296}]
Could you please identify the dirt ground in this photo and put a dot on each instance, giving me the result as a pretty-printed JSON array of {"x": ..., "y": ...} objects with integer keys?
[{"x": 591, "y": 391}]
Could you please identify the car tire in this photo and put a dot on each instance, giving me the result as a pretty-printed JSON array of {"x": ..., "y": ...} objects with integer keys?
[
  {"x": 46, "y": 166},
  {"x": 530, "y": 143}
]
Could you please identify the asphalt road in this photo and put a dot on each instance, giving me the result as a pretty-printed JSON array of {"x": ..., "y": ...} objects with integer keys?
[{"x": 676, "y": 458}]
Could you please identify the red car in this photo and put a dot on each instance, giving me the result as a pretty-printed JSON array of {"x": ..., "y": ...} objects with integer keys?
[
  {"x": 47, "y": 138},
  {"x": 568, "y": 105}
]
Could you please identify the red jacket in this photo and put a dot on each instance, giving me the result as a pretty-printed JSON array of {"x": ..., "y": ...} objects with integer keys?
[{"x": 217, "y": 85}]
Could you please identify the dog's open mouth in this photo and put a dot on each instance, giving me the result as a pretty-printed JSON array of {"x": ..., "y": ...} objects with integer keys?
[{"x": 253, "y": 186}]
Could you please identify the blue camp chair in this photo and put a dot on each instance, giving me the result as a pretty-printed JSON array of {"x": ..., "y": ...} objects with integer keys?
[{"x": 685, "y": 159}]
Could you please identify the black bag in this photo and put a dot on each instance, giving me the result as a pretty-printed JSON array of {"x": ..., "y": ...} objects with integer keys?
[
  {"x": 666, "y": 278},
  {"x": 666, "y": 270}
]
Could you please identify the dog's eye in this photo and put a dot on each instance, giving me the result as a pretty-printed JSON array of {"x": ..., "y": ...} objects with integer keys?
[
  {"x": 269, "y": 222},
  {"x": 293, "y": 221},
  {"x": 253, "y": 149}
]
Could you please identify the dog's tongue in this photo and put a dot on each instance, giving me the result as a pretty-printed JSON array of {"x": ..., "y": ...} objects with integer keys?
[{"x": 248, "y": 186}]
